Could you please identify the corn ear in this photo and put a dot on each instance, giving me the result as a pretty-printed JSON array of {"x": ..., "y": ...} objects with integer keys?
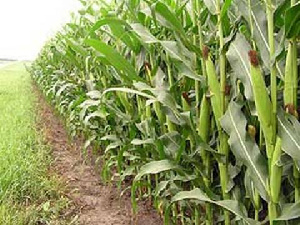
[
  {"x": 276, "y": 173},
  {"x": 204, "y": 119},
  {"x": 203, "y": 130},
  {"x": 288, "y": 93},
  {"x": 185, "y": 104},
  {"x": 216, "y": 103},
  {"x": 262, "y": 101},
  {"x": 214, "y": 87}
]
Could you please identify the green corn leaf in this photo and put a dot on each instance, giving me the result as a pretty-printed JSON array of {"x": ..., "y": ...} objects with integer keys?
[
  {"x": 128, "y": 39},
  {"x": 185, "y": 70},
  {"x": 63, "y": 88},
  {"x": 85, "y": 106},
  {"x": 156, "y": 167},
  {"x": 167, "y": 99},
  {"x": 289, "y": 212},
  {"x": 163, "y": 184},
  {"x": 225, "y": 8},
  {"x": 239, "y": 62},
  {"x": 122, "y": 65},
  {"x": 168, "y": 18},
  {"x": 234, "y": 123},
  {"x": 172, "y": 142},
  {"x": 72, "y": 57},
  {"x": 280, "y": 11},
  {"x": 144, "y": 33},
  {"x": 211, "y": 5},
  {"x": 133, "y": 4},
  {"x": 97, "y": 114},
  {"x": 231, "y": 205},
  {"x": 170, "y": 46},
  {"x": 289, "y": 132},
  {"x": 113, "y": 146},
  {"x": 249, "y": 187},
  {"x": 175, "y": 51},
  {"x": 94, "y": 94},
  {"x": 292, "y": 21},
  {"x": 77, "y": 48},
  {"x": 142, "y": 142},
  {"x": 161, "y": 13},
  {"x": 260, "y": 31},
  {"x": 129, "y": 91},
  {"x": 259, "y": 19},
  {"x": 107, "y": 21},
  {"x": 109, "y": 137}
]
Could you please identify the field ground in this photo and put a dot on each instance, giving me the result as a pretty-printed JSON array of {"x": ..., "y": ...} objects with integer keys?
[
  {"x": 96, "y": 203},
  {"x": 43, "y": 179}
]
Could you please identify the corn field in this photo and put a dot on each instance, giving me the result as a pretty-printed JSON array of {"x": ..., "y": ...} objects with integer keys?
[{"x": 190, "y": 104}]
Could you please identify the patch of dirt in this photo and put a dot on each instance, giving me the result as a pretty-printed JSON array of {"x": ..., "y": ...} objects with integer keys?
[{"x": 95, "y": 203}]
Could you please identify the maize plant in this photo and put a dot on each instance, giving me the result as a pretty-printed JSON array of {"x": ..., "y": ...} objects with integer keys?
[{"x": 190, "y": 104}]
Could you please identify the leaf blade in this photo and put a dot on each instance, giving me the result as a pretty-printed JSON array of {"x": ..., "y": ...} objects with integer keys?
[{"x": 234, "y": 123}]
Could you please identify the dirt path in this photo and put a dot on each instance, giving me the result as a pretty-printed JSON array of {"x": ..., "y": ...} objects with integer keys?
[{"x": 95, "y": 202}]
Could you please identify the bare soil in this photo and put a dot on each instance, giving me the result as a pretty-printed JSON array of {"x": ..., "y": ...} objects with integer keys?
[{"x": 94, "y": 202}]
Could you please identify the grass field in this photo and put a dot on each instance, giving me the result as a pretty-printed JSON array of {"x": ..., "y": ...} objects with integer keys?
[{"x": 27, "y": 194}]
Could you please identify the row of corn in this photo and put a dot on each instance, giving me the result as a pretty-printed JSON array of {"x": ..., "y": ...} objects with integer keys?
[{"x": 191, "y": 105}]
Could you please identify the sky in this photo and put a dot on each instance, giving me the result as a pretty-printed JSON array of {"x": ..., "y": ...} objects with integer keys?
[{"x": 26, "y": 25}]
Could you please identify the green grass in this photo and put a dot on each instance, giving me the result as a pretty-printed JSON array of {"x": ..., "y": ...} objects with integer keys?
[{"x": 28, "y": 195}]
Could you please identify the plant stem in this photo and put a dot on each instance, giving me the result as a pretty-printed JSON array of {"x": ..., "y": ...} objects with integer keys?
[
  {"x": 272, "y": 212},
  {"x": 222, "y": 58},
  {"x": 257, "y": 204},
  {"x": 251, "y": 23},
  {"x": 204, "y": 118},
  {"x": 297, "y": 183},
  {"x": 197, "y": 83},
  {"x": 171, "y": 126},
  {"x": 224, "y": 148},
  {"x": 156, "y": 105},
  {"x": 294, "y": 68},
  {"x": 294, "y": 63},
  {"x": 270, "y": 18}
]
